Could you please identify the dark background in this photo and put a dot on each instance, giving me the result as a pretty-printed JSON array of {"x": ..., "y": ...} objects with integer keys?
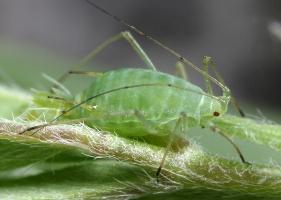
[{"x": 241, "y": 36}]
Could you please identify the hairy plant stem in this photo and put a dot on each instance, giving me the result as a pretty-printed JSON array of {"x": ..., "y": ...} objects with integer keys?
[
  {"x": 257, "y": 131},
  {"x": 190, "y": 168}
]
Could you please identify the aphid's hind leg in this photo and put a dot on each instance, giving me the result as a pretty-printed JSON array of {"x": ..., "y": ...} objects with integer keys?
[
  {"x": 207, "y": 61},
  {"x": 138, "y": 49},
  {"x": 217, "y": 130},
  {"x": 123, "y": 35},
  {"x": 148, "y": 124},
  {"x": 159, "y": 140},
  {"x": 181, "y": 71},
  {"x": 177, "y": 130}
]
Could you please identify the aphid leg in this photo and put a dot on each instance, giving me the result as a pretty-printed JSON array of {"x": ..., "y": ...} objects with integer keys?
[
  {"x": 217, "y": 130},
  {"x": 123, "y": 35},
  {"x": 138, "y": 49},
  {"x": 148, "y": 124},
  {"x": 208, "y": 61},
  {"x": 57, "y": 98},
  {"x": 177, "y": 130},
  {"x": 181, "y": 71},
  {"x": 66, "y": 101},
  {"x": 153, "y": 138},
  {"x": 86, "y": 73}
]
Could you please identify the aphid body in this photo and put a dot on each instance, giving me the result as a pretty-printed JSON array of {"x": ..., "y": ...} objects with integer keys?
[
  {"x": 159, "y": 105},
  {"x": 134, "y": 102}
]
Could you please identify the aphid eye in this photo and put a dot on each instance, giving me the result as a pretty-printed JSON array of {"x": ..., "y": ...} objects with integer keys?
[{"x": 216, "y": 114}]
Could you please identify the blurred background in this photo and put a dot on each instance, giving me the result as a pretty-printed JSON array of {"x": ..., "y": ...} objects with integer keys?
[
  {"x": 239, "y": 35},
  {"x": 243, "y": 37}
]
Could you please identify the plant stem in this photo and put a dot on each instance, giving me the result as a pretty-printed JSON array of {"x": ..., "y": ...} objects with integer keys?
[
  {"x": 190, "y": 168},
  {"x": 251, "y": 130}
]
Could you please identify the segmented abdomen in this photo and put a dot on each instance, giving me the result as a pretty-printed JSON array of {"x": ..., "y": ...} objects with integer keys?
[{"x": 156, "y": 103}]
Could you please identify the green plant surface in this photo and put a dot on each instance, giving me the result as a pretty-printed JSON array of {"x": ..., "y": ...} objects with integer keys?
[
  {"x": 257, "y": 131},
  {"x": 59, "y": 144}
]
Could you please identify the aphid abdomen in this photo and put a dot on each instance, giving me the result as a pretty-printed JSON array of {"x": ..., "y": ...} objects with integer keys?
[{"x": 159, "y": 105}]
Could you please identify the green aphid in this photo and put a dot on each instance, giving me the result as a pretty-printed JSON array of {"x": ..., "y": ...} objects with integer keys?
[{"x": 146, "y": 104}]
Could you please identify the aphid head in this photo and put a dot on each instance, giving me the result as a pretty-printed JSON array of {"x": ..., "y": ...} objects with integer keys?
[{"x": 217, "y": 107}]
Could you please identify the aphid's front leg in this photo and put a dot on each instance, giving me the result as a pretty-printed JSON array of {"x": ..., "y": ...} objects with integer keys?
[
  {"x": 70, "y": 103},
  {"x": 181, "y": 71},
  {"x": 178, "y": 130},
  {"x": 86, "y": 73},
  {"x": 217, "y": 130},
  {"x": 208, "y": 62},
  {"x": 123, "y": 35}
]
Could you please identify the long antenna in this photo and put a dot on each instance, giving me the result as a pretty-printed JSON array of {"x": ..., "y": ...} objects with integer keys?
[
  {"x": 39, "y": 127},
  {"x": 225, "y": 89}
]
